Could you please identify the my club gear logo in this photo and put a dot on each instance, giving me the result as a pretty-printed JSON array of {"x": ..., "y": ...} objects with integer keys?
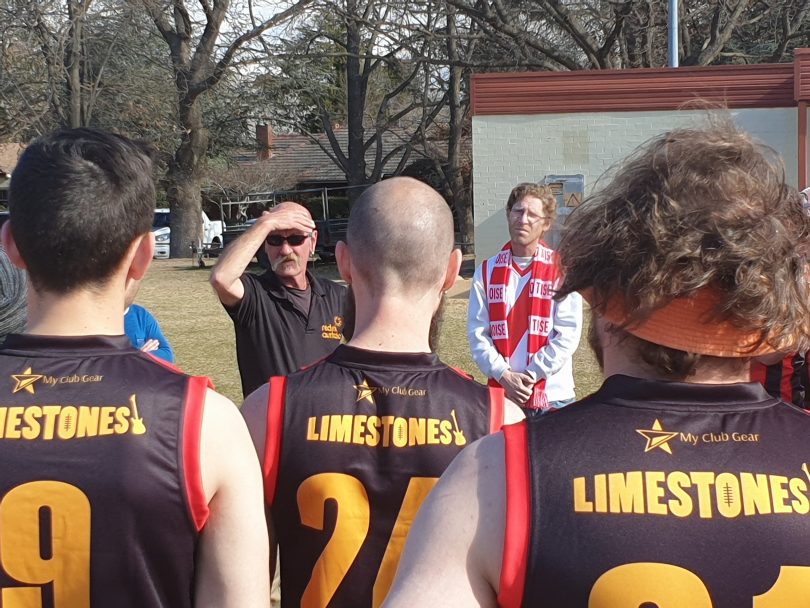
[
  {"x": 365, "y": 392},
  {"x": 657, "y": 437},
  {"x": 660, "y": 439},
  {"x": 25, "y": 381}
]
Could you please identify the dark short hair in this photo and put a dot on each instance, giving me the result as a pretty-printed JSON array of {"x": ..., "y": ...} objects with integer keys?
[
  {"x": 544, "y": 193},
  {"x": 695, "y": 209},
  {"x": 77, "y": 201}
]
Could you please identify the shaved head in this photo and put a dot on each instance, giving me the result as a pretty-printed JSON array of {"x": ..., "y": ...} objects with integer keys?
[
  {"x": 291, "y": 205},
  {"x": 400, "y": 235}
]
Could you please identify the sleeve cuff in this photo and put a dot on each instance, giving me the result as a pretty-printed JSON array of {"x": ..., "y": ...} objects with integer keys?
[{"x": 499, "y": 370}]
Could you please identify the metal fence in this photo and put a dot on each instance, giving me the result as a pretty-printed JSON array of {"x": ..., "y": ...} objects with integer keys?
[
  {"x": 329, "y": 207},
  {"x": 326, "y": 203}
]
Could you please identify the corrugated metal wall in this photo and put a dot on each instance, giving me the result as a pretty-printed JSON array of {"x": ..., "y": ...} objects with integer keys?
[{"x": 736, "y": 86}]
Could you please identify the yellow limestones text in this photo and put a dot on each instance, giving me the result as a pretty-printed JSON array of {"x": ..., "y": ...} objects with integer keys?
[
  {"x": 63, "y": 421},
  {"x": 684, "y": 494},
  {"x": 385, "y": 431}
]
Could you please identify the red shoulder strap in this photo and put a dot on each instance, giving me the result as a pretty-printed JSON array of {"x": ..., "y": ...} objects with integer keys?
[
  {"x": 461, "y": 373},
  {"x": 272, "y": 444},
  {"x": 497, "y": 403},
  {"x": 518, "y": 516},
  {"x": 191, "y": 441},
  {"x": 786, "y": 382}
]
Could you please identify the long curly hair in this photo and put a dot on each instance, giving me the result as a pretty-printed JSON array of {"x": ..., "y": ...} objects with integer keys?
[{"x": 694, "y": 209}]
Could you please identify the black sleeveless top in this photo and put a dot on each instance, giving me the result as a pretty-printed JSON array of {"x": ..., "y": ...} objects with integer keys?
[
  {"x": 365, "y": 436},
  {"x": 661, "y": 494},
  {"x": 100, "y": 492}
]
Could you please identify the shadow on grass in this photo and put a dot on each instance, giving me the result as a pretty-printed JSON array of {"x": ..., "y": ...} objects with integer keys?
[{"x": 187, "y": 268}]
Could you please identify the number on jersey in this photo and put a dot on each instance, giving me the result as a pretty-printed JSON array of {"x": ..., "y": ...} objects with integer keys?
[
  {"x": 62, "y": 559},
  {"x": 351, "y": 528}
]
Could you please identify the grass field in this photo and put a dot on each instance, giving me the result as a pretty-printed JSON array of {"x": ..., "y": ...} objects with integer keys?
[{"x": 201, "y": 333}]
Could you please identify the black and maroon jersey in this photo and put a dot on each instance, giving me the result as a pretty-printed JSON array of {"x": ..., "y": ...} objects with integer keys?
[
  {"x": 660, "y": 494},
  {"x": 101, "y": 494},
  {"x": 785, "y": 379},
  {"x": 354, "y": 444}
]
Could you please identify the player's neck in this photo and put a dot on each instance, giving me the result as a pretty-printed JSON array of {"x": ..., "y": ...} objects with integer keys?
[
  {"x": 80, "y": 313},
  {"x": 397, "y": 325},
  {"x": 296, "y": 282},
  {"x": 524, "y": 251},
  {"x": 718, "y": 371}
]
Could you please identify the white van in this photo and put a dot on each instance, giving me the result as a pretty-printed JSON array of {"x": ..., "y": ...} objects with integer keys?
[{"x": 212, "y": 233}]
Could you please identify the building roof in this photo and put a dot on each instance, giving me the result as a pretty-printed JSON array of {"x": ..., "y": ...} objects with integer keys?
[
  {"x": 762, "y": 85},
  {"x": 298, "y": 159},
  {"x": 9, "y": 154}
]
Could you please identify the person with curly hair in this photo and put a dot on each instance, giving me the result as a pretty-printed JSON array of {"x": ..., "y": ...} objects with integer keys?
[
  {"x": 678, "y": 482},
  {"x": 786, "y": 378}
]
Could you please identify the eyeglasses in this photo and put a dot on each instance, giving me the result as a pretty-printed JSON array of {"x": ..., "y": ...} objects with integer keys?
[
  {"x": 517, "y": 212},
  {"x": 277, "y": 240}
]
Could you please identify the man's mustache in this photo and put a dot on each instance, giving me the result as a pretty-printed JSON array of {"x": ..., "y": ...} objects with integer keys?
[{"x": 290, "y": 257}]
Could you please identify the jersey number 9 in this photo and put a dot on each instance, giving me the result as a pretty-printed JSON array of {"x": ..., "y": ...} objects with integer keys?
[{"x": 62, "y": 559}]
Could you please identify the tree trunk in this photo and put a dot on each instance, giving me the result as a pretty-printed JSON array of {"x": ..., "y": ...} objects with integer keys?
[
  {"x": 355, "y": 102},
  {"x": 459, "y": 195},
  {"x": 183, "y": 180},
  {"x": 73, "y": 61},
  {"x": 466, "y": 226},
  {"x": 194, "y": 74}
]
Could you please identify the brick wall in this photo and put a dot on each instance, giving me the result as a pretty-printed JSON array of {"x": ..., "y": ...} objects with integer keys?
[{"x": 512, "y": 149}]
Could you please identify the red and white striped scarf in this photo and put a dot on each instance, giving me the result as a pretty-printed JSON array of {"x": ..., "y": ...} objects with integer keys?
[{"x": 530, "y": 313}]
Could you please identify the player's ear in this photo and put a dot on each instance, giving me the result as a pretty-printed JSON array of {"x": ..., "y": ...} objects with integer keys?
[
  {"x": 10, "y": 245},
  {"x": 343, "y": 259},
  {"x": 141, "y": 252},
  {"x": 313, "y": 242},
  {"x": 453, "y": 267}
]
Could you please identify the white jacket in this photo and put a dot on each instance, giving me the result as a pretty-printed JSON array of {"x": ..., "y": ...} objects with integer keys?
[{"x": 553, "y": 361}]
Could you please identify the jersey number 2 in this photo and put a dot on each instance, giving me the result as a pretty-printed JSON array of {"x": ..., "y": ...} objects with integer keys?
[
  {"x": 63, "y": 559},
  {"x": 669, "y": 586},
  {"x": 351, "y": 528}
]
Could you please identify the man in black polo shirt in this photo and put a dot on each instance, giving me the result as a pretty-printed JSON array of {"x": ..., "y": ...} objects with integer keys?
[{"x": 285, "y": 318}]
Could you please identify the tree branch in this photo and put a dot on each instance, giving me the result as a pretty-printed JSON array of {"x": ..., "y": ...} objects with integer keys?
[{"x": 224, "y": 62}]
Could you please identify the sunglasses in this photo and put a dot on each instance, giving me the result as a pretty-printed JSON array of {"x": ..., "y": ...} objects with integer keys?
[{"x": 277, "y": 240}]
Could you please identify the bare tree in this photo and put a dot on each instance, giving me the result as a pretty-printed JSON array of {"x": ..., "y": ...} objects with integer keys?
[
  {"x": 50, "y": 77},
  {"x": 598, "y": 34},
  {"x": 201, "y": 56},
  {"x": 74, "y": 60},
  {"x": 457, "y": 186},
  {"x": 356, "y": 74}
]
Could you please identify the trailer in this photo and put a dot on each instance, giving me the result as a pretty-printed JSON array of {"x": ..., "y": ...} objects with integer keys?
[{"x": 331, "y": 224}]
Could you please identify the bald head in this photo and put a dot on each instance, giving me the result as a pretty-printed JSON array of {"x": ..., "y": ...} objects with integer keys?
[
  {"x": 400, "y": 235},
  {"x": 291, "y": 205}
]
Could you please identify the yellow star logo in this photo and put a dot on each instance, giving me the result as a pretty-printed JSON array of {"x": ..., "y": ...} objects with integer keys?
[
  {"x": 657, "y": 437},
  {"x": 364, "y": 391},
  {"x": 25, "y": 381}
]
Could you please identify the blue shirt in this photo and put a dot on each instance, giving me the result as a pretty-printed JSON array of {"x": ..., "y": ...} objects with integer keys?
[{"x": 140, "y": 326}]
